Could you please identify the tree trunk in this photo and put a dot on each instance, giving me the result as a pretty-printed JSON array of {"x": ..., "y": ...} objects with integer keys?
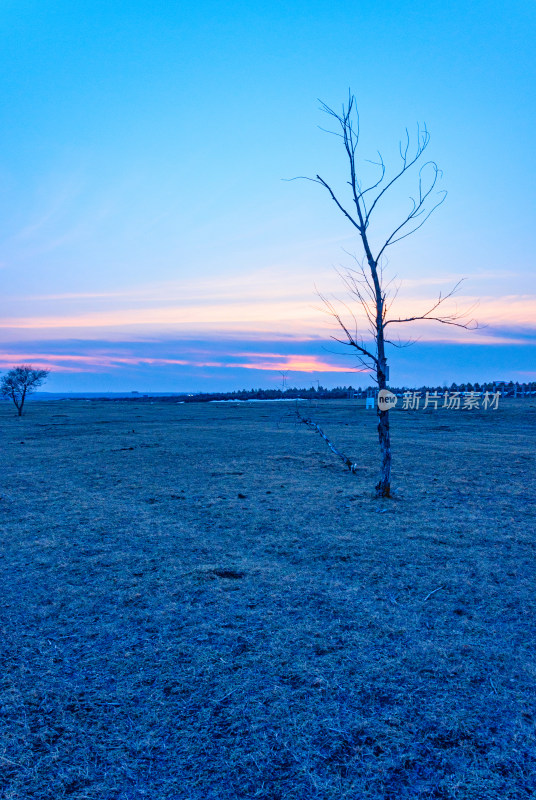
[
  {"x": 22, "y": 399},
  {"x": 383, "y": 487}
]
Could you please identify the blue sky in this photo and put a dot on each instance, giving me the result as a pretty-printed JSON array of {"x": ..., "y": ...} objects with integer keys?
[{"x": 149, "y": 240}]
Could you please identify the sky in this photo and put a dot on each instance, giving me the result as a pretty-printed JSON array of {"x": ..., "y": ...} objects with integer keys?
[{"x": 151, "y": 239}]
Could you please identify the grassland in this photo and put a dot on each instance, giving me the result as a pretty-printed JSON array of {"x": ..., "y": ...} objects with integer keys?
[{"x": 200, "y": 603}]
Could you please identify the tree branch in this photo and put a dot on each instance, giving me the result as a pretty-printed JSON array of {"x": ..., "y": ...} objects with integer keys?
[
  {"x": 446, "y": 319},
  {"x": 346, "y": 461},
  {"x": 350, "y": 340}
]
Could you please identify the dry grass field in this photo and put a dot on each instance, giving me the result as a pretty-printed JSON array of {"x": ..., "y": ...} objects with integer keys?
[{"x": 200, "y": 603}]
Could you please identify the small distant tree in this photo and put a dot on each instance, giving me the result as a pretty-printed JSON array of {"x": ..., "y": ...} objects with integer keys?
[{"x": 21, "y": 381}]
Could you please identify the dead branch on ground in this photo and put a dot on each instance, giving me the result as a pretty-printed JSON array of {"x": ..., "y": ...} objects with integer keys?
[{"x": 313, "y": 425}]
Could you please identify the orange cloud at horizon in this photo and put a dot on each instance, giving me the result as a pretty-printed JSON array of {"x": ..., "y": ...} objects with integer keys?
[
  {"x": 292, "y": 363},
  {"x": 272, "y": 315}
]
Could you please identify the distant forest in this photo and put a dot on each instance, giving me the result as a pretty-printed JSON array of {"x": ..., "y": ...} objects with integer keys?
[{"x": 506, "y": 389}]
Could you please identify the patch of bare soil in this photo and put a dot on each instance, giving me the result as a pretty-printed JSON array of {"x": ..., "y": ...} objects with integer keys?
[{"x": 200, "y": 603}]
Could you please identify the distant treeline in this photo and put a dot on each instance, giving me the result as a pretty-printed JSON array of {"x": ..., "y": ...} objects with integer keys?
[{"x": 507, "y": 389}]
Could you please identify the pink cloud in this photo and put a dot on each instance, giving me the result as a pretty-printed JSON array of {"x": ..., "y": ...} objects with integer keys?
[{"x": 90, "y": 363}]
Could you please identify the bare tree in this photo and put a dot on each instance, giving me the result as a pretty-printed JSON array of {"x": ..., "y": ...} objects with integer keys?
[
  {"x": 366, "y": 284},
  {"x": 21, "y": 381}
]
